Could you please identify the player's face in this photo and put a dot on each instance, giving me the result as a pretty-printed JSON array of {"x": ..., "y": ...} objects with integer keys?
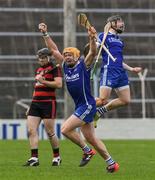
[
  {"x": 43, "y": 60},
  {"x": 69, "y": 59},
  {"x": 120, "y": 26}
]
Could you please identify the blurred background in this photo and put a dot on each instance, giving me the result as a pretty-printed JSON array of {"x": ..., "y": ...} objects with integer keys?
[{"x": 20, "y": 40}]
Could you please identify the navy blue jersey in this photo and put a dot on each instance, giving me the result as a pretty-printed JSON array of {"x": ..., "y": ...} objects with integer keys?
[
  {"x": 115, "y": 46},
  {"x": 112, "y": 73},
  {"x": 78, "y": 83}
]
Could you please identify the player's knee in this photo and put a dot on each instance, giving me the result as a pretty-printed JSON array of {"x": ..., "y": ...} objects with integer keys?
[
  {"x": 126, "y": 101},
  {"x": 101, "y": 101},
  {"x": 32, "y": 132},
  {"x": 63, "y": 131},
  {"x": 50, "y": 134}
]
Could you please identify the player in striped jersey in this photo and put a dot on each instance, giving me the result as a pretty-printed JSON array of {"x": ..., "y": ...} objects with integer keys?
[
  {"x": 77, "y": 77},
  {"x": 43, "y": 107}
]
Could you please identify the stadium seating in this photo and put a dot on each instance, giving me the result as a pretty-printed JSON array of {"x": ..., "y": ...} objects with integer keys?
[{"x": 17, "y": 38}]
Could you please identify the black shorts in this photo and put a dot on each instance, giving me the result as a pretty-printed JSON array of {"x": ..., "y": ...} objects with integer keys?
[{"x": 44, "y": 110}]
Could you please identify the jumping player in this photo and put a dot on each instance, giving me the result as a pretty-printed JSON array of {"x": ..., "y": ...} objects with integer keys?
[
  {"x": 43, "y": 107},
  {"x": 113, "y": 74},
  {"x": 77, "y": 77}
]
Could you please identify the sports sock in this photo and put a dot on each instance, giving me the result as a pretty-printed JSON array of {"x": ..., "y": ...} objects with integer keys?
[
  {"x": 56, "y": 152},
  {"x": 110, "y": 161},
  {"x": 86, "y": 149},
  {"x": 34, "y": 153},
  {"x": 101, "y": 110}
]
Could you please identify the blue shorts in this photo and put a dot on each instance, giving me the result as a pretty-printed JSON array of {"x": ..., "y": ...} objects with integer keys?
[
  {"x": 113, "y": 77},
  {"x": 86, "y": 112}
]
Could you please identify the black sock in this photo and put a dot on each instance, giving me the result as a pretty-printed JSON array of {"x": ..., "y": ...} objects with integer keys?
[
  {"x": 56, "y": 152},
  {"x": 34, "y": 153}
]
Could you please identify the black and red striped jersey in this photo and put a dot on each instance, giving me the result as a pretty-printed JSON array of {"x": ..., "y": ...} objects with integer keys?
[{"x": 41, "y": 92}]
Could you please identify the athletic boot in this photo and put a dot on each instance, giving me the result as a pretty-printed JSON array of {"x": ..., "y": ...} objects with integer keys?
[
  {"x": 86, "y": 157},
  {"x": 113, "y": 167},
  {"x": 56, "y": 161},
  {"x": 33, "y": 161}
]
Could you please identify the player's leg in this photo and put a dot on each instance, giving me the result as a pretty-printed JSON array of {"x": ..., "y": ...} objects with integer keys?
[
  {"x": 123, "y": 99},
  {"x": 105, "y": 93},
  {"x": 123, "y": 92},
  {"x": 49, "y": 127},
  {"x": 48, "y": 114},
  {"x": 89, "y": 133},
  {"x": 32, "y": 125},
  {"x": 69, "y": 130},
  {"x": 80, "y": 117},
  {"x": 121, "y": 85}
]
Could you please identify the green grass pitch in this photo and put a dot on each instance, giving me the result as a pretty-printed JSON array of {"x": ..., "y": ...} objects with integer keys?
[{"x": 136, "y": 159}]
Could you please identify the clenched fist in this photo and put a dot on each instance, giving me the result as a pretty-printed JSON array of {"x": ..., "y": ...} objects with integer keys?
[
  {"x": 92, "y": 32},
  {"x": 42, "y": 27}
]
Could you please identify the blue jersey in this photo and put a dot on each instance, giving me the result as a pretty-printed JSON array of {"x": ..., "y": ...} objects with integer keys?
[
  {"x": 113, "y": 74},
  {"x": 78, "y": 83},
  {"x": 115, "y": 46}
]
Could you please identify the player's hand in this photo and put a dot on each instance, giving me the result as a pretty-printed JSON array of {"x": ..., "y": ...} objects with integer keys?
[
  {"x": 42, "y": 27},
  {"x": 92, "y": 32},
  {"x": 40, "y": 78},
  {"x": 137, "y": 69}
]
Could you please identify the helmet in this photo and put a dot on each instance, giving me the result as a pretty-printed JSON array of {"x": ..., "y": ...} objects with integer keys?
[
  {"x": 73, "y": 50},
  {"x": 113, "y": 20},
  {"x": 44, "y": 52}
]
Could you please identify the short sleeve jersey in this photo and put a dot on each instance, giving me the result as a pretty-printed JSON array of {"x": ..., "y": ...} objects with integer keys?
[
  {"x": 115, "y": 46},
  {"x": 78, "y": 83}
]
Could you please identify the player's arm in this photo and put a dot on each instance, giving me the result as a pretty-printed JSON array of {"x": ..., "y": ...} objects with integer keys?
[
  {"x": 57, "y": 83},
  {"x": 93, "y": 48},
  {"x": 50, "y": 43},
  {"x": 132, "y": 69}
]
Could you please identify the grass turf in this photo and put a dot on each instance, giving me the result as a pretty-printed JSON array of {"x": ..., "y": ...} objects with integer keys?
[{"x": 136, "y": 159}]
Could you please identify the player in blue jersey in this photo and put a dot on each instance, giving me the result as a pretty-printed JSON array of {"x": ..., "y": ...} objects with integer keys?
[
  {"x": 77, "y": 77},
  {"x": 113, "y": 73}
]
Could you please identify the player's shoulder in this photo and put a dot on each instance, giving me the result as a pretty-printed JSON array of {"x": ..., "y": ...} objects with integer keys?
[{"x": 100, "y": 35}]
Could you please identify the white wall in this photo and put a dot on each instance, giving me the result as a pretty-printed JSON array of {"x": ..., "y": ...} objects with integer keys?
[
  {"x": 126, "y": 129},
  {"x": 107, "y": 129},
  {"x": 16, "y": 129}
]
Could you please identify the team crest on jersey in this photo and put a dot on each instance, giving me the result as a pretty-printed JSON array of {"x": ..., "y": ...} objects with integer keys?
[
  {"x": 73, "y": 77},
  {"x": 112, "y": 39}
]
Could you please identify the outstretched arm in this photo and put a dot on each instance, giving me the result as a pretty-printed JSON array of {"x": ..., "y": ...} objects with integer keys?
[
  {"x": 50, "y": 43},
  {"x": 93, "y": 47},
  {"x": 132, "y": 69}
]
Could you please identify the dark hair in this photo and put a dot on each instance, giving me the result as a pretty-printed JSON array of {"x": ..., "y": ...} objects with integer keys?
[{"x": 44, "y": 52}]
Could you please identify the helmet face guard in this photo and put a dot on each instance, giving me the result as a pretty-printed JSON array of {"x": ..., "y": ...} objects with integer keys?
[{"x": 113, "y": 20}]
